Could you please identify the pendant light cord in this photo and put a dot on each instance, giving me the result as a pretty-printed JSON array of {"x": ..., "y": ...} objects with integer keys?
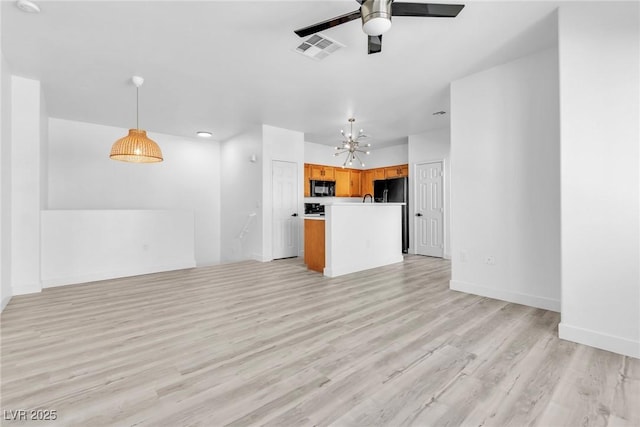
[{"x": 137, "y": 108}]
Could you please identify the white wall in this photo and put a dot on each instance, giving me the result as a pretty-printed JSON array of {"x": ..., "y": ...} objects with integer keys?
[
  {"x": 86, "y": 245},
  {"x": 599, "y": 107},
  {"x": 26, "y": 151},
  {"x": 389, "y": 156},
  {"x": 6, "y": 291},
  {"x": 241, "y": 196},
  {"x": 81, "y": 176},
  {"x": 351, "y": 246},
  {"x": 423, "y": 148},
  {"x": 289, "y": 146},
  {"x": 505, "y": 182}
]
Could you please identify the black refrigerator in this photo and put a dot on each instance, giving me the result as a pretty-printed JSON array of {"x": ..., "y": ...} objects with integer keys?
[{"x": 395, "y": 190}]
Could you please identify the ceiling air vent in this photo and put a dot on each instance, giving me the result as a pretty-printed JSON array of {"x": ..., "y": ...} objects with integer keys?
[{"x": 318, "y": 47}]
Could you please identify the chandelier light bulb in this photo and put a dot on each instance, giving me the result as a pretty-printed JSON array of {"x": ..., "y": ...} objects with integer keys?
[{"x": 368, "y": 152}]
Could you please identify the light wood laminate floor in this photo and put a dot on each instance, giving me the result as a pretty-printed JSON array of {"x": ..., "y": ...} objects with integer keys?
[{"x": 274, "y": 344}]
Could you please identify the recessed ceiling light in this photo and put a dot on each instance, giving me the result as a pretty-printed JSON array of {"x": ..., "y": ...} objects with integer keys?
[
  {"x": 439, "y": 113},
  {"x": 28, "y": 6},
  {"x": 204, "y": 134}
]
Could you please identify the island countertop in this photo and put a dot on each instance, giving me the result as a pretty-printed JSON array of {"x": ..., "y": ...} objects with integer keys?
[{"x": 333, "y": 203}]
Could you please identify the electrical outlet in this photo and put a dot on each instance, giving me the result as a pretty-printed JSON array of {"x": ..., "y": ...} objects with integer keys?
[{"x": 490, "y": 260}]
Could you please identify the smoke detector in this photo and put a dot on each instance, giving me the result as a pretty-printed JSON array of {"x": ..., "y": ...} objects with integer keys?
[
  {"x": 28, "y": 6},
  {"x": 318, "y": 47}
]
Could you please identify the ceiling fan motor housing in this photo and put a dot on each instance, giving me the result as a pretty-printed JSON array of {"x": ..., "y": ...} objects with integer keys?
[{"x": 376, "y": 16}]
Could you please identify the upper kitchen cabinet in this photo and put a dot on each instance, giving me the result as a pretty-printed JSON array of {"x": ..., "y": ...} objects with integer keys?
[
  {"x": 366, "y": 182},
  {"x": 354, "y": 183},
  {"x": 396, "y": 171},
  {"x": 379, "y": 173},
  {"x": 342, "y": 183},
  {"x": 323, "y": 173},
  {"x": 347, "y": 182}
]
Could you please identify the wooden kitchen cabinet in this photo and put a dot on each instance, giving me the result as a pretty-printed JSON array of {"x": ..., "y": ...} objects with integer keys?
[
  {"x": 354, "y": 183},
  {"x": 307, "y": 178},
  {"x": 366, "y": 182},
  {"x": 322, "y": 173},
  {"x": 347, "y": 182},
  {"x": 379, "y": 173},
  {"x": 343, "y": 187},
  {"x": 351, "y": 182},
  {"x": 314, "y": 244},
  {"x": 396, "y": 171}
]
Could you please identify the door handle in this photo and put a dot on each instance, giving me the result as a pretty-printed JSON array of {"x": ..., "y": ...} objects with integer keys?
[
  {"x": 418, "y": 214},
  {"x": 294, "y": 214}
]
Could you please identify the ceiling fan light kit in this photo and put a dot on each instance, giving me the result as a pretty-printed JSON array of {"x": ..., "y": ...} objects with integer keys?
[
  {"x": 351, "y": 146},
  {"x": 136, "y": 147},
  {"x": 376, "y": 18}
]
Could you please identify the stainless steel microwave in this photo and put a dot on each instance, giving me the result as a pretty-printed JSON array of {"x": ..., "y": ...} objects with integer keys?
[{"x": 323, "y": 188}]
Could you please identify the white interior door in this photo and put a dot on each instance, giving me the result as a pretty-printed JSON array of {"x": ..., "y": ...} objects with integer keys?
[
  {"x": 429, "y": 209},
  {"x": 285, "y": 209}
]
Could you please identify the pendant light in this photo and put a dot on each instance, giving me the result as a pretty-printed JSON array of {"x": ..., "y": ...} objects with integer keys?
[
  {"x": 352, "y": 146},
  {"x": 136, "y": 147}
]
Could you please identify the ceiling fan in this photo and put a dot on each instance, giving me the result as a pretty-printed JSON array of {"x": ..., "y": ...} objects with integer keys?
[{"x": 376, "y": 17}]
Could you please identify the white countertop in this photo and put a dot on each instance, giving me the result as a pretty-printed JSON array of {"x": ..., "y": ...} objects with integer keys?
[
  {"x": 315, "y": 217},
  {"x": 362, "y": 204}
]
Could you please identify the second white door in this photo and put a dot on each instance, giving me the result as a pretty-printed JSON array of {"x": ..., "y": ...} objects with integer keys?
[
  {"x": 429, "y": 211},
  {"x": 285, "y": 209}
]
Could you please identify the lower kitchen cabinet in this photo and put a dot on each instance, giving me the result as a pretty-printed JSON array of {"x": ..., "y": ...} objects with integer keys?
[{"x": 314, "y": 244}]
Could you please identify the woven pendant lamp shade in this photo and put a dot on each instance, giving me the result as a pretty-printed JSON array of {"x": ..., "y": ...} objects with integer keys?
[{"x": 136, "y": 147}]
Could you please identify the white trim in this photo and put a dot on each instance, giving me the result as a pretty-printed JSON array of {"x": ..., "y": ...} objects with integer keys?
[
  {"x": 105, "y": 275},
  {"x": 25, "y": 289},
  {"x": 596, "y": 339},
  {"x": 515, "y": 297},
  {"x": 446, "y": 253},
  {"x": 261, "y": 258}
]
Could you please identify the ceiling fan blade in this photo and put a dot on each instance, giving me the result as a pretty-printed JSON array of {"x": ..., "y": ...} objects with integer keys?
[
  {"x": 432, "y": 10},
  {"x": 312, "y": 29},
  {"x": 375, "y": 44}
]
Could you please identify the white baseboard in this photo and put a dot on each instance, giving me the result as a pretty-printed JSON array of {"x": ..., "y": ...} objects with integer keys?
[
  {"x": 503, "y": 295},
  {"x": 105, "y": 275},
  {"x": 260, "y": 258},
  {"x": 596, "y": 339},
  {"x": 447, "y": 256},
  {"x": 23, "y": 289}
]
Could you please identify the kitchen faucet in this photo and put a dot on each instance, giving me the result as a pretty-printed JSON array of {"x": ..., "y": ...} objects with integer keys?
[{"x": 364, "y": 199}]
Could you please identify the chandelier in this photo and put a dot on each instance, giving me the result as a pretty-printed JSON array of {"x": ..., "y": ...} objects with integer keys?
[{"x": 352, "y": 146}]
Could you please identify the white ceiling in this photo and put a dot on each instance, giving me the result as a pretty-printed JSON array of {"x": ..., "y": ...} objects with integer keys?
[{"x": 226, "y": 66}]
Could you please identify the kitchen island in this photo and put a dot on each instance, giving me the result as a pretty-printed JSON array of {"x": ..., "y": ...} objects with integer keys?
[{"x": 358, "y": 236}]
